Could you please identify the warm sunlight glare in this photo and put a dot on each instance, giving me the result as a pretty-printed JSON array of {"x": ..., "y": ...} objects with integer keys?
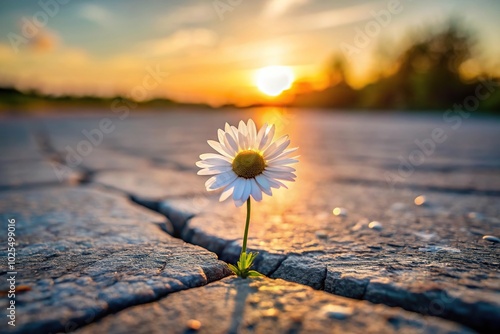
[{"x": 273, "y": 80}]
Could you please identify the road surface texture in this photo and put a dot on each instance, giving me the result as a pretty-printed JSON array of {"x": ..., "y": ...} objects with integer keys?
[{"x": 393, "y": 225}]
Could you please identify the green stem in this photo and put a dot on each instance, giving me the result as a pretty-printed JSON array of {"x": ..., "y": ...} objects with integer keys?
[{"x": 244, "y": 249}]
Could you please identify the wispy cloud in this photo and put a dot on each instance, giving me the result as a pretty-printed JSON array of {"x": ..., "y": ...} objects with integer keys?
[
  {"x": 276, "y": 8},
  {"x": 331, "y": 18},
  {"x": 95, "y": 13},
  {"x": 178, "y": 41},
  {"x": 187, "y": 15}
]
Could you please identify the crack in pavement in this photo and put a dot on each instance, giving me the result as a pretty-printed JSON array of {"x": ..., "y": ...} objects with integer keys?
[
  {"x": 274, "y": 265},
  {"x": 89, "y": 264},
  {"x": 362, "y": 289}
]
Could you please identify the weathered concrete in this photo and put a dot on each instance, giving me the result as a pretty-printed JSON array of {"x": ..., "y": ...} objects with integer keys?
[
  {"x": 26, "y": 173},
  {"x": 415, "y": 260},
  {"x": 265, "y": 306},
  {"x": 151, "y": 184},
  {"x": 23, "y": 161},
  {"x": 84, "y": 253},
  {"x": 106, "y": 159},
  {"x": 430, "y": 259},
  {"x": 18, "y": 140}
]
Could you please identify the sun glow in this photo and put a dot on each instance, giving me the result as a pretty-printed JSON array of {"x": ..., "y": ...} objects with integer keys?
[{"x": 273, "y": 80}]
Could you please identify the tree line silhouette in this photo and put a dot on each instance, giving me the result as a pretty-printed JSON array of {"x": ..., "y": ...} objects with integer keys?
[{"x": 428, "y": 76}]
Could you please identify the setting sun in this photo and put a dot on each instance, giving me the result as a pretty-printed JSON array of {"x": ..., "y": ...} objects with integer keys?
[{"x": 273, "y": 80}]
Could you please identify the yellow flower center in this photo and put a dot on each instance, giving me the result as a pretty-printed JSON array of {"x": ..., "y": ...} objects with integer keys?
[{"x": 248, "y": 164}]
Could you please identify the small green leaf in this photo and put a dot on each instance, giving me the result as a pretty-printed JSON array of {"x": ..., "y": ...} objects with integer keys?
[
  {"x": 253, "y": 273},
  {"x": 242, "y": 268},
  {"x": 233, "y": 269},
  {"x": 251, "y": 258}
]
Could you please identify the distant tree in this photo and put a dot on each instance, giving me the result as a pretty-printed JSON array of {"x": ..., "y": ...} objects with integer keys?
[
  {"x": 428, "y": 72},
  {"x": 426, "y": 77},
  {"x": 337, "y": 95},
  {"x": 336, "y": 70}
]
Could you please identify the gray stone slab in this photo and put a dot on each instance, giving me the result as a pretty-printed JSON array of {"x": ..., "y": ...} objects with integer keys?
[
  {"x": 100, "y": 159},
  {"x": 73, "y": 129},
  {"x": 25, "y": 173},
  {"x": 144, "y": 135},
  {"x": 179, "y": 160},
  {"x": 431, "y": 177},
  {"x": 82, "y": 253},
  {"x": 353, "y": 148},
  {"x": 429, "y": 259},
  {"x": 152, "y": 183},
  {"x": 265, "y": 306},
  {"x": 25, "y": 158},
  {"x": 418, "y": 257},
  {"x": 17, "y": 140}
]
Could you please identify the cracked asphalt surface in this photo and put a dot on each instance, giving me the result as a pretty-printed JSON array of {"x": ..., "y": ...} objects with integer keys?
[{"x": 108, "y": 222}]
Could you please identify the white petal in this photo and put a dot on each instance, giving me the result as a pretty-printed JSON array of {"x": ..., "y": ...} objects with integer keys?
[
  {"x": 217, "y": 162},
  {"x": 227, "y": 129},
  {"x": 220, "y": 148},
  {"x": 220, "y": 135},
  {"x": 207, "y": 171},
  {"x": 212, "y": 163},
  {"x": 285, "y": 153},
  {"x": 255, "y": 191},
  {"x": 210, "y": 181},
  {"x": 280, "y": 175},
  {"x": 247, "y": 190},
  {"x": 239, "y": 187},
  {"x": 242, "y": 127},
  {"x": 234, "y": 132},
  {"x": 222, "y": 180},
  {"x": 267, "y": 191},
  {"x": 282, "y": 162},
  {"x": 260, "y": 135},
  {"x": 214, "y": 156},
  {"x": 214, "y": 170},
  {"x": 280, "y": 169},
  {"x": 202, "y": 164},
  {"x": 242, "y": 141},
  {"x": 228, "y": 191},
  {"x": 230, "y": 143},
  {"x": 252, "y": 133},
  {"x": 276, "y": 148},
  {"x": 276, "y": 184},
  {"x": 267, "y": 138},
  {"x": 264, "y": 184}
]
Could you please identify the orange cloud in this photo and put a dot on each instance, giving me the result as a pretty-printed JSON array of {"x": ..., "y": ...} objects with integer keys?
[{"x": 44, "y": 41}]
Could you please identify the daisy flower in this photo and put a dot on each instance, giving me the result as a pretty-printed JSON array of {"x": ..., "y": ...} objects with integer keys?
[{"x": 248, "y": 162}]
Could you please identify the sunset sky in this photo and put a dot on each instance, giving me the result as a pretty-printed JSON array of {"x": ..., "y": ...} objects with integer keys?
[{"x": 210, "y": 51}]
